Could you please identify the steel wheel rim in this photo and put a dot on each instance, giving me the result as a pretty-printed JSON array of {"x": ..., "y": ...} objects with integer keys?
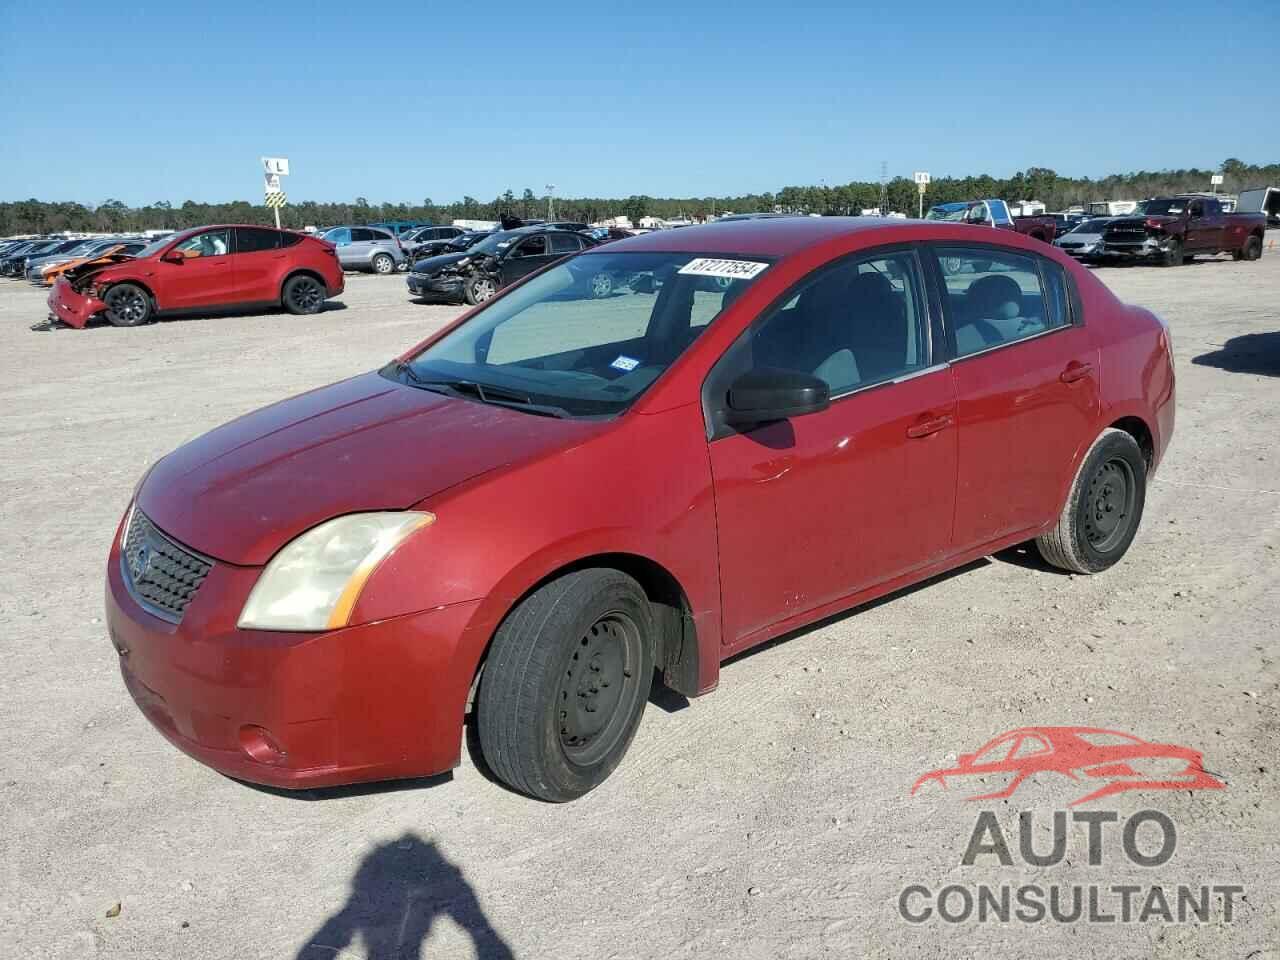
[
  {"x": 483, "y": 289},
  {"x": 598, "y": 690},
  {"x": 128, "y": 305},
  {"x": 1109, "y": 504},
  {"x": 305, "y": 295}
]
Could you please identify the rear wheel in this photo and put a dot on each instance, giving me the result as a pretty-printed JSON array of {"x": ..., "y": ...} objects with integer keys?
[
  {"x": 128, "y": 305},
  {"x": 1103, "y": 509},
  {"x": 382, "y": 263},
  {"x": 1252, "y": 249},
  {"x": 302, "y": 295},
  {"x": 565, "y": 684}
]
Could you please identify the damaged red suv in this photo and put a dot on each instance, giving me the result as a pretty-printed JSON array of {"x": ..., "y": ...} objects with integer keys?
[
  {"x": 518, "y": 520},
  {"x": 208, "y": 268}
]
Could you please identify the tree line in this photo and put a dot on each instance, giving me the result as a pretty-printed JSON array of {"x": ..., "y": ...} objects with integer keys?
[{"x": 1035, "y": 183}]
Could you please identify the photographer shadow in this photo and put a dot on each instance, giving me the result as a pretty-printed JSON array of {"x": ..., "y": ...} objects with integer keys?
[{"x": 400, "y": 890}]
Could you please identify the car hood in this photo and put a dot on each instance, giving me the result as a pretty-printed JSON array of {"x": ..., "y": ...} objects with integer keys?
[
  {"x": 438, "y": 263},
  {"x": 245, "y": 489}
]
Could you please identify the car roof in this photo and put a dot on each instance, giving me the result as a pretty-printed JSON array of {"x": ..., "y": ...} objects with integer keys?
[{"x": 783, "y": 236}]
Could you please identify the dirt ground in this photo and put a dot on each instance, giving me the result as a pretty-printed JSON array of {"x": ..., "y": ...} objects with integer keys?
[{"x": 772, "y": 818}]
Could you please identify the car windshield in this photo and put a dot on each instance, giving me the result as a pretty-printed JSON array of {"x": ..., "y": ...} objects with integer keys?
[
  {"x": 585, "y": 338},
  {"x": 953, "y": 212},
  {"x": 496, "y": 242},
  {"x": 464, "y": 242},
  {"x": 1171, "y": 207},
  {"x": 155, "y": 246},
  {"x": 1089, "y": 226}
]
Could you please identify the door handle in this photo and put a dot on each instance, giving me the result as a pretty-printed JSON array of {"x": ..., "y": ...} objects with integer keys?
[
  {"x": 929, "y": 426},
  {"x": 1075, "y": 371}
]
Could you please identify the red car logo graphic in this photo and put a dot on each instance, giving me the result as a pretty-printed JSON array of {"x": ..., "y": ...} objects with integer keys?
[{"x": 1085, "y": 754}]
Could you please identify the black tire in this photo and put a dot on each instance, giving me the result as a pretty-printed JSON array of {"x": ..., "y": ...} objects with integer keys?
[
  {"x": 303, "y": 294},
  {"x": 383, "y": 263},
  {"x": 1103, "y": 509},
  {"x": 566, "y": 683},
  {"x": 128, "y": 305},
  {"x": 1252, "y": 249},
  {"x": 1173, "y": 256},
  {"x": 479, "y": 289}
]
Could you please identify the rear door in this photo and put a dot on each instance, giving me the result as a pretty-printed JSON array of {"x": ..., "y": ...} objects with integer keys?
[
  {"x": 205, "y": 277},
  {"x": 257, "y": 262},
  {"x": 361, "y": 249},
  {"x": 1026, "y": 379}
]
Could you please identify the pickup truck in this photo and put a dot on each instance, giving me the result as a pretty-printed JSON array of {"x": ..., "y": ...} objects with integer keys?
[
  {"x": 994, "y": 213},
  {"x": 1173, "y": 230}
]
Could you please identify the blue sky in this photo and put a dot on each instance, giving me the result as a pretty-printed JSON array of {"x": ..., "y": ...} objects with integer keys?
[{"x": 147, "y": 101}]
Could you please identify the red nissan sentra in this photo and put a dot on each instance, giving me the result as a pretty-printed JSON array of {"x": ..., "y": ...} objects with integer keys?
[{"x": 764, "y": 423}]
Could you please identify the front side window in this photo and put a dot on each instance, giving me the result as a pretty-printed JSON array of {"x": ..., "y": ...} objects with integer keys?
[
  {"x": 338, "y": 235},
  {"x": 993, "y": 297},
  {"x": 860, "y": 322},
  {"x": 212, "y": 243},
  {"x": 535, "y": 246},
  {"x": 564, "y": 243},
  {"x": 557, "y": 344}
]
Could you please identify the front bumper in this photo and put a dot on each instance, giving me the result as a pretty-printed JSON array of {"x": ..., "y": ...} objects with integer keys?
[
  {"x": 1136, "y": 250},
  {"x": 1082, "y": 251},
  {"x": 446, "y": 286},
  {"x": 72, "y": 308},
  {"x": 377, "y": 701}
]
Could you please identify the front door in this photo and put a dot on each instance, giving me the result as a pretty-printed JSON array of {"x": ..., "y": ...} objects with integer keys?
[
  {"x": 205, "y": 277},
  {"x": 526, "y": 256},
  {"x": 813, "y": 509},
  {"x": 1026, "y": 376}
]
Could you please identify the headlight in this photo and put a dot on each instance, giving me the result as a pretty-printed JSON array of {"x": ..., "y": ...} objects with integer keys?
[
  {"x": 313, "y": 583},
  {"x": 463, "y": 262}
]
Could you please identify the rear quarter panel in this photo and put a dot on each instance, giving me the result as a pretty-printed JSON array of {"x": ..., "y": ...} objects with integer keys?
[{"x": 1135, "y": 352}]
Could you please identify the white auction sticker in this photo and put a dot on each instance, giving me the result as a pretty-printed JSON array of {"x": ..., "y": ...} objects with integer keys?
[{"x": 730, "y": 269}]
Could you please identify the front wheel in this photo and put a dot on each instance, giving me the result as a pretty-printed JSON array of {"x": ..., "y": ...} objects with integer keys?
[
  {"x": 478, "y": 290},
  {"x": 128, "y": 305},
  {"x": 1103, "y": 509},
  {"x": 1173, "y": 254},
  {"x": 565, "y": 684},
  {"x": 383, "y": 263}
]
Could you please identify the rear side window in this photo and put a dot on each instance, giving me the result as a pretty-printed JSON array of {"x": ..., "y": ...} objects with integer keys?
[
  {"x": 1057, "y": 294},
  {"x": 289, "y": 239},
  {"x": 251, "y": 240},
  {"x": 380, "y": 236},
  {"x": 361, "y": 235},
  {"x": 993, "y": 297}
]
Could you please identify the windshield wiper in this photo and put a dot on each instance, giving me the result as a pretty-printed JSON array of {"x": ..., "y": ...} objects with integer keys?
[{"x": 485, "y": 393}]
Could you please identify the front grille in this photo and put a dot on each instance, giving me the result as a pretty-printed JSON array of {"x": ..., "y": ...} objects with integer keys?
[
  {"x": 1126, "y": 231},
  {"x": 161, "y": 574}
]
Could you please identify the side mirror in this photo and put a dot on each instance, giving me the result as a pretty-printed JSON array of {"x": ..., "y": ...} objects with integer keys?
[
  {"x": 174, "y": 256},
  {"x": 767, "y": 394}
]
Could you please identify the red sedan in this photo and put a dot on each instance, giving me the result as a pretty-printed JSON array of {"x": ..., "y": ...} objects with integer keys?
[
  {"x": 765, "y": 423},
  {"x": 208, "y": 268}
]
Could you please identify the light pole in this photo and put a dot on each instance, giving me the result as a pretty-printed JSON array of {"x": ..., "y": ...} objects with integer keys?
[{"x": 551, "y": 203}]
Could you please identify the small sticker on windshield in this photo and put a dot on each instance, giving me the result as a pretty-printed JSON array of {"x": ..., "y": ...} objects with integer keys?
[
  {"x": 730, "y": 269},
  {"x": 625, "y": 363}
]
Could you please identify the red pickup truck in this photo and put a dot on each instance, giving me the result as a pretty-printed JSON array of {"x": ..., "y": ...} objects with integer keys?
[
  {"x": 1173, "y": 230},
  {"x": 994, "y": 213}
]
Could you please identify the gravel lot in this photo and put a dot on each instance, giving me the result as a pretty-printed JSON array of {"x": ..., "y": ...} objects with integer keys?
[{"x": 770, "y": 819}]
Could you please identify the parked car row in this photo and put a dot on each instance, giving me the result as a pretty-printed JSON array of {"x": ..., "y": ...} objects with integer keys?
[
  {"x": 1169, "y": 231},
  {"x": 42, "y": 260}
]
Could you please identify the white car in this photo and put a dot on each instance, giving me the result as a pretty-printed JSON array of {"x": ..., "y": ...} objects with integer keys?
[{"x": 1084, "y": 242}]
